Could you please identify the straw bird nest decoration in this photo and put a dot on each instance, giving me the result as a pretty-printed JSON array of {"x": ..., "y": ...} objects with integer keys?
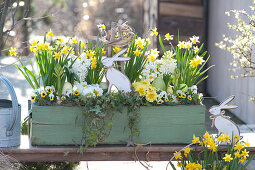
[{"x": 119, "y": 35}]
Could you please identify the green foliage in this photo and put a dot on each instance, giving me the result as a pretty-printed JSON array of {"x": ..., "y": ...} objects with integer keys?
[
  {"x": 99, "y": 111},
  {"x": 96, "y": 73},
  {"x": 51, "y": 62},
  {"x": 135, "y": 65},
  {"x": 205, "y": 154},
  {"x": 186, "y": 73},
  {"x": 49, "y": 165}
]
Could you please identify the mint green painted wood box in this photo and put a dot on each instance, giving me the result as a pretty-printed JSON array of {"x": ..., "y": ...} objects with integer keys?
[{"x": 62, "y": 125}]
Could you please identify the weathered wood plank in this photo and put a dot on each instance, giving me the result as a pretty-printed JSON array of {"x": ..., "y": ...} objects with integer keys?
[
  {"x": 173, "y": 9},
  {"x": 184, "y": 1},
  {"x": 28, "y": 153},
  {"x": 186, "y": 26}
]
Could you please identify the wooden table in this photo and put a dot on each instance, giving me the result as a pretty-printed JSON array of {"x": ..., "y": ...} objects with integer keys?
[{"x": 28, "y": 153}]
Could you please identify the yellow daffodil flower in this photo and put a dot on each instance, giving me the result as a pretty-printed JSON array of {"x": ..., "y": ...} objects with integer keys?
[
  {"x": 74, "y": 40},
  {"x": 137, "y": 52},
  {"x": 169, "y": 37},
  {"x": 83, "y": 45},
  {"x": 194, "y": 39},
  {"x": 101, "y": 27},
  {"x": 154, "y": 32},
  {"x": 50, "y": 34},
  {"x": 195, "y": 139},
  {"x": 177, "y": 155},
  {"x": 116, "y": 49},
  {"x": 34, "y": 43},
  {"x": 181, "y": 44},
  {"x": 239, "y": 146},
  {"x": 12, "y": 51},
  {"x": 245, "y": 153},
  {"x": 57, "y": 55},
  {"x": 228, "y": 158}
]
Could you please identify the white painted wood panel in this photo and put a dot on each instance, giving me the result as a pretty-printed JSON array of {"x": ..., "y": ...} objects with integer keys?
[{"x": 219, "y": 83}]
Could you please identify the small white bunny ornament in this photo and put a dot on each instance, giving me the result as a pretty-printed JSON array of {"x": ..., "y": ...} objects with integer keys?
[
  {"x": 221, "y": 122},
  {"x": 114, "y": 76}
]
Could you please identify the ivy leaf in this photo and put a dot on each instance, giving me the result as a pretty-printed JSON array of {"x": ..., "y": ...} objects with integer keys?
[
  {"x": 96, "y": 109},
  {"x": 66, "y": 153}
]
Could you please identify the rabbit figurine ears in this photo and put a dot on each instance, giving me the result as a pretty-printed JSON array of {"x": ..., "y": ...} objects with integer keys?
[
  {"x": 215, "y": 110},
  {"x": 108, "y": 62}
]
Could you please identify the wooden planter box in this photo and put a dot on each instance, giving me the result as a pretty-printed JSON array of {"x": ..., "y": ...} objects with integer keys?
[{"x": 62, "y": 125}]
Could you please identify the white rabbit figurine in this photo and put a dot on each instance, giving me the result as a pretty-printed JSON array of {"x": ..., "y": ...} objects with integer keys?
[
  {"x": 221, "y": 122},
  {"x": 114, "y": 76}
]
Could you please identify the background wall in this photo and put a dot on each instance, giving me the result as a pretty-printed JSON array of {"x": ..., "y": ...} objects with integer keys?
[{"x": 219, "y": 84}]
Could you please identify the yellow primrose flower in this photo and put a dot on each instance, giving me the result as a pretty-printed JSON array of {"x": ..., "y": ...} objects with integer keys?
[
  {"x": 72, "y": 52},
  {"x": 141, "y": 91},
  {"x": 194, "y": 39},
  {"x": 151, "y": 96},
  {"x": 177, "y": 155},
  {"x": 101, "y": 27},
  {"x": 195, "y": 139},
  {"x": 43, "y": 94},
  {"x": 154, "y": 32},
  {"x": 50, "y": 34},
  {"x": 137, "y": 52},
  {"x": 116, "y": 49},
  {"x": 179, "y": 164},
  {"x": 34, "y": 43},
  {"x": 12, "y": 51},
  {"x": 181, "y": 44},
  {"x": 169, "y": 37},
  {"x": 57, "y": 55},
  {"x": 228, "y": 158}
]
